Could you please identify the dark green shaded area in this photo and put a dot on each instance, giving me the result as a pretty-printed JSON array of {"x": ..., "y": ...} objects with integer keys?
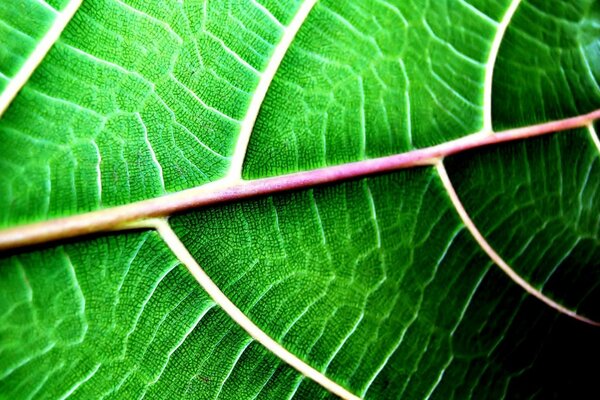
[
  {"x": 537, "y": 202},
  {"x": 376, "y": 283}
]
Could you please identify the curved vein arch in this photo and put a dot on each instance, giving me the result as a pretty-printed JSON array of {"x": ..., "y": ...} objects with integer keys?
[
  {"x": 489, "y": 67},
  {"x": 485, "y": 246},
  {"x": 38, "y": 54},
  {"x": 266, "y": 77},
  {"x": 180, "y": 251},
  {"x": 226, "y": 190}
]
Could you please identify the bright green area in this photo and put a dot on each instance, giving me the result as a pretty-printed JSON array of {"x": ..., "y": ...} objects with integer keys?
[
  {"x": 369, "y": 79},
  {"x": 136, "y": 99},
  {"x": 549, "y": 63},
  {"x": 538, "y": 204},
  {"x": 22, "y": 25},
  {"x": 139, "y": 98},
  {"x": 118, "y": 317},
  {"x": 374, "y": 282}
]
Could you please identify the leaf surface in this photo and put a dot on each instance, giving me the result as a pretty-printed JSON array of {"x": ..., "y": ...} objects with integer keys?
[{"x": 463, "y": 275}]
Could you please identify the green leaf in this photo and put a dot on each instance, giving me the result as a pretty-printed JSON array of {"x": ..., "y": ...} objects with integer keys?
[
  {"x": 29, "y": 28},
  {"x": 347, "y": 213}
]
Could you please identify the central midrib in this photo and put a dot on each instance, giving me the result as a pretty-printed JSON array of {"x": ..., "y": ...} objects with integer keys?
[{"x": 227, "y": 190}]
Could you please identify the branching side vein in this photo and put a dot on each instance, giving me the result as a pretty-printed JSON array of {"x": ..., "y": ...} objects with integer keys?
[
  {"x": 485, "y": 246},
  {"x": 178, "y": 248}
]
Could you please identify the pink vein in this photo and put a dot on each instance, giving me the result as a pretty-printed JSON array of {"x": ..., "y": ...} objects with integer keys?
[{"x": 112, "y": 218}]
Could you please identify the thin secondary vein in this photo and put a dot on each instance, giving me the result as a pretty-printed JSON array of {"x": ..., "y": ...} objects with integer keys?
[
  {"x": 247, "y": 126},
  {"x": 98, "y": 172},
  {"x": 202, "y": 102},
  {"x": 478, "y": 12},
  {"x": 485, "y": 246},
  {"x": 268, "y": 13},
  {"x": 373, "y": 210},
  {"x": 594, "y": 136},
  {"x": 152, "y": 152},
  {"x": 491, "y": 63},
  {"x": 38, "y": 54},
  {"x": 47, "y": 6},
  {"x": 78, "y": 384},
  {"x": 178, "y": 248},
  {"x": 229, "y": 51},
  {"x": 225, "y": 190}
]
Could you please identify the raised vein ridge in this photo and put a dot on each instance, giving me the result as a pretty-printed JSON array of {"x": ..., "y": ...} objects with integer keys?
[
  {"x": 38, "y": 54},
  {"x": 225, "y": 190},
  {"x": 181, "y": 252},
  {"x": 489, "y": 69},
  {"x": 594, "y": 136},
  {"x": 247, "y": 125},
  {"x": 485, "y": 246}
]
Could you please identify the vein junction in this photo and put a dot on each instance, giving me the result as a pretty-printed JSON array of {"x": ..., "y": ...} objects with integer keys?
[
  {"x": 219, "y": 192},
  {"x": 181, "y": 252},
  {"x": 510, "y": 272},
  {"x": 226, "y": 190}
]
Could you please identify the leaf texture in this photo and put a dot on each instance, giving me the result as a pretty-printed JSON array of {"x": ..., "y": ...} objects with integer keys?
[{"x": 471, "y": 274}]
